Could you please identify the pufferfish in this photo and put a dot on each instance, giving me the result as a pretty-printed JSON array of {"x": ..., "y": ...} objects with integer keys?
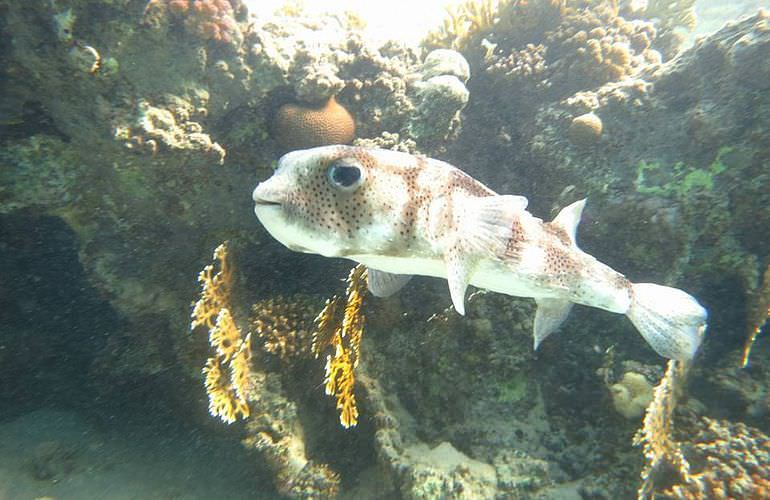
[{"x": 402, "y": 215}]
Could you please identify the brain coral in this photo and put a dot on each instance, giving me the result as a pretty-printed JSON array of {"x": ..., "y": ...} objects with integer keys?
[{"x": 300, "y": 126}]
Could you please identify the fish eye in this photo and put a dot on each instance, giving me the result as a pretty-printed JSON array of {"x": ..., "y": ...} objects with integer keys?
[{"x": 345, "y": 175}]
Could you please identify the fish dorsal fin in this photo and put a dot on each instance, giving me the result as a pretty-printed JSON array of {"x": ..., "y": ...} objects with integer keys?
[
  {"x": 550, "y": 314},
  {"x": 569, "y": 218},
  {"x": 383, "y": 284},
  {"x": 484, "y": 230},
  {"x": 486, "y": 223}
]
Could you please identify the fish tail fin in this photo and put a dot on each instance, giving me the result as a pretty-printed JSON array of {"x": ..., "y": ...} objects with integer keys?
[{"x": 670, "y": 320}]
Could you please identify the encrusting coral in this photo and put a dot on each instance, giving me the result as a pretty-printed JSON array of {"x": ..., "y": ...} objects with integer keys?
[
  {"x": 729, "y": 460},
  {"x": 343, "y": 336},
  {"x": 301, "y": 126},
  {"x": 226, "y": 389},
  {"x": 718, "y": 459},
  {"x": 758, "y": 316}
]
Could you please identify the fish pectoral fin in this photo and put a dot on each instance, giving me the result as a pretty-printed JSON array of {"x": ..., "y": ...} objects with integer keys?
[
  {"x": 550, "y": 314},
  {"x": 569, "y": 218},
  {"x": 383, "y": 284},
  {"x": 458, "y": 274},
  {"x": 487, "y": 222}
]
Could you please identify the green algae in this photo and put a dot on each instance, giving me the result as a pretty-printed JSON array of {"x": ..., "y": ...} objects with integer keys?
[{"x": 680, "y": 180}]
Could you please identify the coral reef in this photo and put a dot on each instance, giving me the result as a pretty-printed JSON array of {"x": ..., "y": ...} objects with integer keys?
[
  {"x": 631, "y": 395},
  {"x": 299, "y": 126},
  {"x": 207, "y": 19},
  {"x": 716, "y": 459},
  {"x": 226, "y": 389},
  {"x": 127, "y": 157},
  {"x": 729, "y": 460},
  {"x": 758, "y": 316},
  {"x": 285, "y": 326},
  {"x": 273, "y": 427},
  {"x": 660, "y": 449},
  {"x": 340, "y": 329},
  {"x": 275, "y": 431},
  {"x": 419, "y": 470},
  {"x": 171, "y": 126}
]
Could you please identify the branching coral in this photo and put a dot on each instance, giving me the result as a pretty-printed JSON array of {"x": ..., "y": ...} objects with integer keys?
[
  {"x": 343, "y": 336},
  {"x": 466, "y": 24},
  {"x": 285, "y": 325},
  {"x": 226, "y": 391},
  {"x": 758, "y": 317},
  {"x": 215, "y": 290},
  {"x": 470, "y": 19}
]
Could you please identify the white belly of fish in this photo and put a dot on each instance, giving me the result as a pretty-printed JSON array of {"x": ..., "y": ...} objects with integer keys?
[{"x": 488, "y": 275}]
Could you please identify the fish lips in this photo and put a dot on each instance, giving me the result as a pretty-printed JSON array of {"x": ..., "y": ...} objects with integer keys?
[{"x": 262, "y": 197}]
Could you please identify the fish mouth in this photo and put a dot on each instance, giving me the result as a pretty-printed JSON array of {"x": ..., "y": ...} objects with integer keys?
[
  {"x": 262, "y": 197},
  {"x": 266, "y": 203}
]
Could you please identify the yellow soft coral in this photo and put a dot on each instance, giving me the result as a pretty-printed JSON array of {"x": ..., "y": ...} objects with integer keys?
[
  {"x": 215, "y": 290},
  {"x": 339, "y": 382},
  {"x": 344, "y": 336},
  {"x": 227, "y": 394},
  {"x": 758, "y": 317},
  {"x": 660, "y": 449}
]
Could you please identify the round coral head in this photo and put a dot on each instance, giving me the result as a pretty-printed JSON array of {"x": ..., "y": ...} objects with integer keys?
[{"x": 301, "y": 126}]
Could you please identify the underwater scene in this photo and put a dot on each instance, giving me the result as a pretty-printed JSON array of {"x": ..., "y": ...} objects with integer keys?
[{"x": 451, "y": 249}]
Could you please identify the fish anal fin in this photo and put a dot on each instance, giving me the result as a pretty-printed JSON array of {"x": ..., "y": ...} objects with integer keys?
[
  {"x": 550, "y": 314},
  {"x": 383, "y": 284},
  {"x": 569, "y": 218},
  {"x": 458, "y": 274}
]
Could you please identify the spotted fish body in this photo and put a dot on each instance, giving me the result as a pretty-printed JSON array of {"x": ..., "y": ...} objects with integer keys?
[{"x": 403, "y": 215}]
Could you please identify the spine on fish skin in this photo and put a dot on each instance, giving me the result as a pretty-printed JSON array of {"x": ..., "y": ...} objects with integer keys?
[{"x": 670, "y": 320}]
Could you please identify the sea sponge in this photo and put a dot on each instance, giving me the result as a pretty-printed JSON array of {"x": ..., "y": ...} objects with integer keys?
[
  {"x": 301, "y": 126},
  {"x": 631, "y": 395}
]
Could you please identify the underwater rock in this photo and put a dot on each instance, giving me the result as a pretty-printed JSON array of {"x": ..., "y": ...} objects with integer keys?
[
  {"x": 301, "y": 126},
  {"x": 418, "y": 470},
  {"x": 440, "y": 100},
  {"x": 276, "y": 432},
  {"x": 585, "y": 130},
  {"x": 160, "y": 127}
]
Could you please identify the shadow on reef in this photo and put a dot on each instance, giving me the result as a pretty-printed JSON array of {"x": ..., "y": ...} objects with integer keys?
[
  {"x": 54, "y": 330},
  {"x": 53, "y": 321}
]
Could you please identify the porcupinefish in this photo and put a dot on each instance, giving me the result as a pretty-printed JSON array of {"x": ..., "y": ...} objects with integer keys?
[{"x": 402, "y": 215}]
